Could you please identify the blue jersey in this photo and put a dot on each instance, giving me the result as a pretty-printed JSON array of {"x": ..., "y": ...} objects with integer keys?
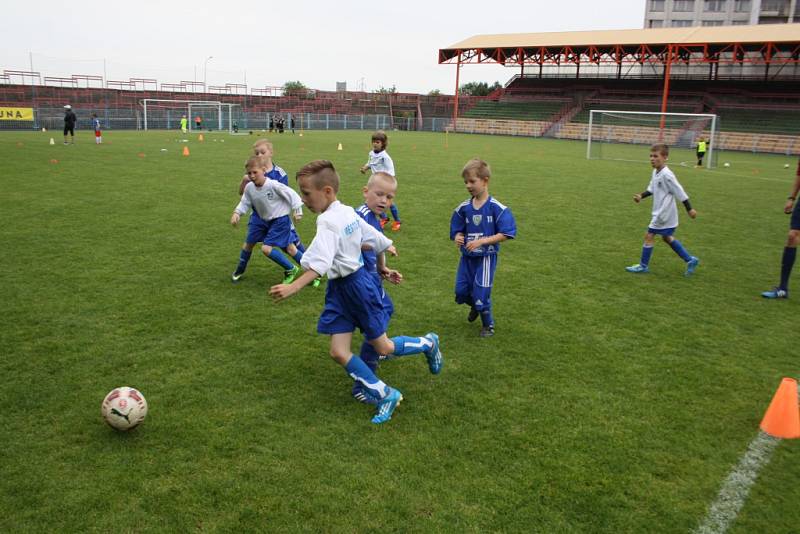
[
  {"x": 370, "y": 258},
  {"x": 278, "y": 174},
  {"x": 96, "y": 123},
  {"x": 492, "y": 218}
]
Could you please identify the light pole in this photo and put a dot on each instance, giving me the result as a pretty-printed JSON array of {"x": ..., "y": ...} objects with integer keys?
[{"x": 205, "y": 70}]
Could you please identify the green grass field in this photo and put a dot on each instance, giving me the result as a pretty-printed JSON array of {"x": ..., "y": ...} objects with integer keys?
[{"x": 607, "y": 402}]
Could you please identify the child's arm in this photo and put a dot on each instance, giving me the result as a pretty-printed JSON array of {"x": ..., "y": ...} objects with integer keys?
[
  {"x": 291, "y": 197},
  {"x": 458, "y": 228},
  {"x": 284, "y": 291},
  {"x": 638, "y": 197},
  {"x": 375, "y": 239},
  {"x": 793, "y": 197},
  {"x": 506, "y": 227},
  {"x": 386, "y": 273},
  {"x": 241, "y": 209},
  {"x": 678, "y": 192}
]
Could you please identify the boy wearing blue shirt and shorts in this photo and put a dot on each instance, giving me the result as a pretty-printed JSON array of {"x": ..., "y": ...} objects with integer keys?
[
  {"x": 352, "y": 298},
  {"x": 478, "y": 226}
]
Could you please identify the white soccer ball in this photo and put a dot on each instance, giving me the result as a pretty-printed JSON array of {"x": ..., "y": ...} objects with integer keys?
[
  {"x": 785, "y": 165},
  {"x": 124, "y": 408},
  {"x": 726, "y": 164}
]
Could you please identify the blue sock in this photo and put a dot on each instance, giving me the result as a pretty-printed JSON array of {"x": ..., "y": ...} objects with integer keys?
[
  {"x": 486, "y": 317},
  {"x": 298, "y": 256},
  {"x": 679, "y": 250},
  {"x": 300, "y": 246},
  {"x": 277, "y": 256},
  {"x": 371, "y": 358},
  {"x": 789, "y": 254},
  {"x": 383, "y": 215},
  {"x": 359, "y": 371},
  {"x": 393, "y": 209},
  {"x": 244, "y": 257},
  {"x": 406, "y": 345},
  {"x": 647, "y": 251}
]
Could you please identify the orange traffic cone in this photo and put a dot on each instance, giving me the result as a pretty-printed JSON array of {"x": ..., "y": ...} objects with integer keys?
[
  {"x": 186, "y": 151},
  {"x": 782, "y": 419},
  {"x": 201, "y": 138}
]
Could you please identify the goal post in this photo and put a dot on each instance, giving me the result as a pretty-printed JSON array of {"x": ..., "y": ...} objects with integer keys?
[
  {"x": 621, "y": 135},
  {"x": 165, "y": 114}
]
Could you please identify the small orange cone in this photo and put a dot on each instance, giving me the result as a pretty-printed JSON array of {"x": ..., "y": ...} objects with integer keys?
[
  {"x": 782, "y": 419},
  {"x": 186, "y": 151},
  {"x": 201, "y": 138}
]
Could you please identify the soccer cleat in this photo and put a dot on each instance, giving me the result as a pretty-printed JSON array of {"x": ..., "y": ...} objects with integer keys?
[
  {"x": 386, "y": 406},
  {"x": 473, "y": 314},
  {"x": 362, "y": 394},
  {"x": 383, "y": 222},
  {"x": 396, "y": 226},
  {"x": 315, "y": 284},
  {"x": 237, "y": 275},
  {"x": 291, "y": 274},
  {"x": 487, "y": 331},
  {"x": 776, "y": 293},
  {"x": 433, "y": 354},
  {"x": 691, "y": 266},
  {"x": 638, "y": 268}
]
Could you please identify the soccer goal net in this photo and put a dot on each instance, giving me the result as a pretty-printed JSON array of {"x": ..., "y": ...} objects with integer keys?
[
  {"x": 161, "y": 114},
  {"x": 624, "y": 135}
]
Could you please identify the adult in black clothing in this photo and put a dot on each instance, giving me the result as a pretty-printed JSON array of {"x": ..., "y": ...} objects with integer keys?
[{"x": 69, "y": 124}]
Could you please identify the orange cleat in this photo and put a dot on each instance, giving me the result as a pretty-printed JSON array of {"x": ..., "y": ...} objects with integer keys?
[{"x": 396, "y": 226}]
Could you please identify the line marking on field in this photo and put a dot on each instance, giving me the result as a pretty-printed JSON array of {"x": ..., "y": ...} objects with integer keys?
[{"x": 735, "y": 489}]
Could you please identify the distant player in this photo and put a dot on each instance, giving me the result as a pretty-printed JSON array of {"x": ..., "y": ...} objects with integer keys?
[
  {"x": 98, "y": 135},
  {"x": 478, "y": 226},
  {"x": 790, "y": 250},
  {"x": 198, "y": 122},
  {"x": 380, "y": 161},
  {"x": 273, "y": 202},
  {"x": 702, "y": 147},
  {"x": 352, "y": 298},
  {"x": 664, "y": 188},
  {"x": 69, "y": 124},
  {"x": 184, "y": 124}
]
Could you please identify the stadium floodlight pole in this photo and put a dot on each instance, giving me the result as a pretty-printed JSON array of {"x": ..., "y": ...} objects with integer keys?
[
  {"x": 205, "y": 70},
  {"x": 455, "y": 104},
  {"x": 665, "y": 96}
]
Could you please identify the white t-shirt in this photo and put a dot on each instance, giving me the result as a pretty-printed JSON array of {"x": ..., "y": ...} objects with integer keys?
[
  {"x": 380, "y": 162},
  {"x": 336, "y": 249},
  {"x": 665, "y": 189},
  {"x": 270, "y": 201}
]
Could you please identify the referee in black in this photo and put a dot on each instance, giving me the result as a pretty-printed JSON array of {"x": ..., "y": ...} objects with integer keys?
[{"x": 69, "y": 124}]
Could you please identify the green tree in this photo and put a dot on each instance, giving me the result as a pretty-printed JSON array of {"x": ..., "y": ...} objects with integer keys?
[
  {"x": 434, "y": 92},
  {"x": 294, "y": 88},
  {"x": 386, "y": 90},
  {"x": 478, "y": 88}
]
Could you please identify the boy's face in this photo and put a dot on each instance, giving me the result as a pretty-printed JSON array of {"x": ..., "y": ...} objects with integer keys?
[
  {"x": 379, "y": 196},
  {"x": 263, "y": 150},
  {"x": 377, "y": 145},
  {"x": 475, "y": 184},
  {"x": 317, "y": 200},
  {"x": 657, "y": 159},
  {"x": 256, "y": 175}
]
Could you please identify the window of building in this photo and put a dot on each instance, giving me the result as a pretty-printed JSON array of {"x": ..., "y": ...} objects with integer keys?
[
  {"x": 683, "y": 5},
  {"x": 680, "y": 23},
  {"x": 656, "y": 5},
  {"x": 712, "y": 22},
  {"x": 656, "y": 23},
  {"x": 714, "y": 6},
  {"x": 742, "y": 6},
  {"x": 771, "y": 6},
  {"x": 740, "y": 23}
]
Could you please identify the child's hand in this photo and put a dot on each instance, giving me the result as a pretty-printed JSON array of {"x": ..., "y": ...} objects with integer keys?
[
  {"x": 234, "y": 219},
  {"x": 282, "y": 292},
  {"x": 472, "y": 245},
  {"x": 391, "y": 275},
  {"x": 692, "y": 213},
  {"x": 364, "y": 169},
  {"x": 788, "y": 207},
  {"x": 637, "y": 198},
  {"x": 298, "y": 216},
  {"x": 459, "y": 239},
  {"x": 391, "y": 250}
]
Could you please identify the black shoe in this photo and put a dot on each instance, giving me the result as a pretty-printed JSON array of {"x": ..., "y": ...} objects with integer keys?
[
  {"x": 487, "y": 331},
  {"x": 473, "y": 314}
]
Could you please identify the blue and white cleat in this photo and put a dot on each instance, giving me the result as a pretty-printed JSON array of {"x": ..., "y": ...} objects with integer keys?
[
  {"x": 638, "y": 268},
  {"x": 434, "y": 355},
  {"x": 776, "y": 293},
  {"x": 691, "y": 266},
  {"x": 386, "y": 406},
  {"x": 237, "y": 275}
]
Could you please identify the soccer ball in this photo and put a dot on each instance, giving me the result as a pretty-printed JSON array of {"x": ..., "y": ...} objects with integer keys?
[
  {"x": 726, "y": 164},
  {"x": 785, "y": 165},
  {"x": 124, "y": 408}
]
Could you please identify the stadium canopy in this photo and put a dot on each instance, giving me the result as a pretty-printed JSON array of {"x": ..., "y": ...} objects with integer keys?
[{"x": 764, "y": 44}]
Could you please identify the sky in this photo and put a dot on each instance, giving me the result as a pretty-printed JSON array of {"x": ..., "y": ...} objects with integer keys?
[{"x": 369, "y": 45}]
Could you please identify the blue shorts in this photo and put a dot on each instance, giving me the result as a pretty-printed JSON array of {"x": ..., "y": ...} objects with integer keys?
[
  {"x": 662, "y": 231},
  {"x": 354, "y": 301},
  {"x": 274, "y": 232},
  {"x": 474, "y": 281},
  {"x": 794, "y": 224}
]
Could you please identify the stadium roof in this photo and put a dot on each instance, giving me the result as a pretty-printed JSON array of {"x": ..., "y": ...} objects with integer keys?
[{"x": 517, "y": 48}]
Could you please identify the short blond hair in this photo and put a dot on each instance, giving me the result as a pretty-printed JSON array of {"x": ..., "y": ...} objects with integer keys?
[
  {"x": 661, "y": 148},
  {"x": 321, "y": 173},
  {"x": 255, "y": 162},
  {"x": 385, "y": 176},
  {"x": 263, "y": 141},
  {"x": 478, "y": 167}
]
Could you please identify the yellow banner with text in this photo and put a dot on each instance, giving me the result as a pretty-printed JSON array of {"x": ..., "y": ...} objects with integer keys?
[{"x": 16, "y": 114}]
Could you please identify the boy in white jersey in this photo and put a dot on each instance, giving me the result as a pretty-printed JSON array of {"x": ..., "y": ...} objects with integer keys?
[
  {"x": 380, "y": 161},
  {"x": 665, "y": 189},
  {"x": 352, "y": 298},
  {"x": 273, "y": 202},
  {"x": 98, "y": 135}
]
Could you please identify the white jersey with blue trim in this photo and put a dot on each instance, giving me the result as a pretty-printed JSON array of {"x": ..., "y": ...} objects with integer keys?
[
  {"x": 270, "y": 201},
  {"x": 665, "y": 189},
  {"x": 335, "y": 251},
  {"x": 380, "y": 162},
  {"x": 490, "y": 219}
]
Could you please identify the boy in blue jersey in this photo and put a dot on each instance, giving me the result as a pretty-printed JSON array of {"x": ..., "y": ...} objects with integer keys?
[
  {"x": 352, "y": 298},
  {"x": 98, "y": 134},
  {"x": 792, "y": 240},
  {"x": 478, "y": 226},
  {"x": 380, "y": 161},
  {"x": 664, "y": 188},
  {"x": 272, "y": 201}
]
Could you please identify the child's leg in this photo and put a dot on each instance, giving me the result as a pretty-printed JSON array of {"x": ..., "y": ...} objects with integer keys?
[
  {"x": 355, "y": 366},
  {"x": 277, "y": 256},
  {"x": 482, "y": 291},
  {"x": 371, "y": 358},
  {"x": 647, "y": 249},
  {"x": 464, "y": 276},
  {"x": 294, "y": 252},
  {"x": 394, "y": 347},
  {"x": 393, "y": 209},
  {"x": 789, "y": 255},
  {"x": 677, "y": 246}
]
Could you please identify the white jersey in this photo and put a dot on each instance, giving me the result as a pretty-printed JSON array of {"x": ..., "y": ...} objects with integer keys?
[
  {"x": 380, "y": 162},
  {"x": 270, "y": 201},
  {"x": 336, "y": 249},
  {"x": 665, "y": 189}
]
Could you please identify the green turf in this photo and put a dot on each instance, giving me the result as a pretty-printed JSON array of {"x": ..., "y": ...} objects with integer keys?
[{"x": 607, "y": 402}]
